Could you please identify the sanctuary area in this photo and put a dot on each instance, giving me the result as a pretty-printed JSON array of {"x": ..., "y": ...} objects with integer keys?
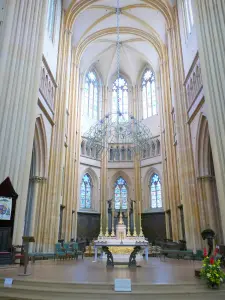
[{"x": 112, "y": 149}]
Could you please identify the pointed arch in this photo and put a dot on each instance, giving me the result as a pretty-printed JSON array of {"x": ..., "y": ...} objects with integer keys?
[
  {"x": 120, "y": 193},
  {"x": 203, "y": 148},
  {"x": 94, "y": 190},
  {"x": 40, "y": 148},
  {"x": 91, "y": 102},
  {"x": 147, "y": 195},
  {"x": 148, "y": 91},
  {"x": 86, "y": 192}
]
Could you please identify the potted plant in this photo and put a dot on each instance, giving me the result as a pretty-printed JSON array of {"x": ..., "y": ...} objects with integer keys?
[{"x": 211, "y": 270}]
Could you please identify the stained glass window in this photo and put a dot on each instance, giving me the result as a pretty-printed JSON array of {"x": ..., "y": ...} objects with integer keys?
[
  {"x": 155, "y": 192},
  {"x": 148, "y": 94},
  {"x": 120, "y": 85},
  {"x": 85, "y": 192},
  {"x": 91, "y": 96},
  {"x": 51, "y": 17},
  {"x": 120, "y": 193}
]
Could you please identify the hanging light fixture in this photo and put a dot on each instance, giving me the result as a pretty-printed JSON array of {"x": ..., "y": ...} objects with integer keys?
[{"x": 107, "y": 131}]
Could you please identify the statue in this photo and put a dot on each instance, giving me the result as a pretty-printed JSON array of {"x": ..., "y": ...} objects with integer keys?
[
  {"x": 109, "y": 256},
  {"x": 132, "y": 259},
  {"x": 209, "y": 234}
]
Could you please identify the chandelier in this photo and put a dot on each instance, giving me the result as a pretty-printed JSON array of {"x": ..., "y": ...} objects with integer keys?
[{"x": 115, "y": 128}]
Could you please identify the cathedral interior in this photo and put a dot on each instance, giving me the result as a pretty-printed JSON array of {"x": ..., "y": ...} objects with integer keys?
[{"x": 111, "y": 112}]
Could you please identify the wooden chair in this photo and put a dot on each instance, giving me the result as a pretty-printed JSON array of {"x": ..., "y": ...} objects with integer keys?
[{"x": 18, "y": 254}]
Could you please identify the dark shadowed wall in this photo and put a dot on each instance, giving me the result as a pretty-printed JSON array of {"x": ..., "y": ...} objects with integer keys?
[
  {"x": 88, "y": 225},
  {"x": 154, "y": 226}
]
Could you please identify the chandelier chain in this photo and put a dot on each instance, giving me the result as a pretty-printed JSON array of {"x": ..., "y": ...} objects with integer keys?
[{"x": 118, "y": 53}]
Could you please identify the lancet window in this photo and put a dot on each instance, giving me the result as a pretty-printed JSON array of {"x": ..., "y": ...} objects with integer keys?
[
  {"x": 86, "y": 191},
  {"x": 120, "y": 86},
  {"x": 188, "y": 16},
  {"x": 120, "y": 193},
  {"x": 155, "y": 191},
  {"x": 148, "y": 94},
  {"x": 51, "y": 18},
  {"x": 91, "y": 96}
]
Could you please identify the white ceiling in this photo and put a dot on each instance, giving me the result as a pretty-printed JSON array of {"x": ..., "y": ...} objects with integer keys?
[{"x": 135, "y": 52}]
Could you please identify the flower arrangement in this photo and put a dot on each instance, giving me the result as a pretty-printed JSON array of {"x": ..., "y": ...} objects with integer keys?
[{"x": 211, "y": 270}]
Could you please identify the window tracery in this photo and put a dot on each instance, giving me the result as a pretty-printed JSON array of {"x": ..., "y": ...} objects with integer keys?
[
  {"x": 91, "y": 96},
  {"x": 86, "y": 192},
  {"x": 148, "y": 94},
  {"x": 120, "y": 85},
  {"x": 120, "y": 193},
  {"x": 155, "y": 191}
]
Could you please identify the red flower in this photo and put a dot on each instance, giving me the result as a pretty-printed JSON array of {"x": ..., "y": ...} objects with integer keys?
[
  {"x": 205, "y": 252},
  {"x": 216, "y": 251},
  {"x": 211, "y": 260}
]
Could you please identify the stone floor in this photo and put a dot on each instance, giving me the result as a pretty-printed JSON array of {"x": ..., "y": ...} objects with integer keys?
[{"x": 155, "y": 271}]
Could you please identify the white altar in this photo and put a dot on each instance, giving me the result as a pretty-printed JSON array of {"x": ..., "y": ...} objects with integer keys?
[
  {"x": 127, "y": 242},
  {"x": 121, "y": 240}
]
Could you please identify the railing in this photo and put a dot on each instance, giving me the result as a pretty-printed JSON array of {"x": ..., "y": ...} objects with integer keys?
[
  {"x": 193, "y": 82},
  {"x": 47, "y": 84},
  {"x": 122, "y": 152},
  {"x": 90, "y": 152}
]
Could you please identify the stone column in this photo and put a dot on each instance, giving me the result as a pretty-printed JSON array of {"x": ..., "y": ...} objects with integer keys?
[
  {"x": 21, "y": 42},
  {"x": 52, "y": 205},
  {"x": 169, "y": 162},
  {"x": 184, "y": 155},
  {"x": 209, "y": 22}
]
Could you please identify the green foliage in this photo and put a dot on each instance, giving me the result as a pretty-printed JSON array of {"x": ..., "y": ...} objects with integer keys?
[{"x": 212, "y": 272}]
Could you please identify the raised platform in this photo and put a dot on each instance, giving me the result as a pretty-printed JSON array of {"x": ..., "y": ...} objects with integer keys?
[{"x": 86, "y": 280}]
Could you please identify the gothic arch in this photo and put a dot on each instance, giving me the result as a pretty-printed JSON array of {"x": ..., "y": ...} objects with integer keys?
[
  {"x": 203, "y": 148},
  {"x": 209, "y": 211},
  {"x": 146, "y": 190},
  {"x": 95, "y": 200},
  {"x": 40, "y": 148},
  {"x": 38, "y": 174}
]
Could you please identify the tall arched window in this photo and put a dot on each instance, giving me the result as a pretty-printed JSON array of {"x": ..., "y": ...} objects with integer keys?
[
  {"x": 155, "y": 191},
  {"x": 188, "y": 16},
  {"x": 91, "y": 96},
  {"x": 148, "y": 94},
  {"x": 51, "y": 18},
  {"x": 86, "y": 191},
  {"x": 120, "y": 85},
  {"x": 120, "y": 193}
]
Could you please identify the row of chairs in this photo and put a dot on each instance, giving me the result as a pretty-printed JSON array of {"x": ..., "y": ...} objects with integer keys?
[{"x": 68, "y": 250}]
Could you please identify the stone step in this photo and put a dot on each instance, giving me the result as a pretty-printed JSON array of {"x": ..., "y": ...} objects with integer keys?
[{"x": 28, "y": 289}]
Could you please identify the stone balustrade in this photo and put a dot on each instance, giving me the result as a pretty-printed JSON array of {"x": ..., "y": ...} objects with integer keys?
[
  {"x": 193, "y": 82},
  {"x": 47, "y": 84},
  {"x": 122, "y": 152}
]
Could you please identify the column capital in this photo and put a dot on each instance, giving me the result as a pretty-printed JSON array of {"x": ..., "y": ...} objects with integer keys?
[{"x": 38, "y": 179}]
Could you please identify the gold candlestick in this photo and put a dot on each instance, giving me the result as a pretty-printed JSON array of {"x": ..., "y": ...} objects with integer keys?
[
  {"x": 134, "y": 213},
  {"x": 128, "y": 222},
  {"x": 113, "y": 233},
  {"x": 101, "y": 233},
  {"x": 107, "y": 223}
]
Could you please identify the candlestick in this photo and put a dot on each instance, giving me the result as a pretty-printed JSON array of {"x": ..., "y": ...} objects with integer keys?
[
  {"x": 112, "y": 233},
  {"x": 128, "y": 222},
  {"x": 134, "y": 213},
  {"x": 107, "y": 223}
]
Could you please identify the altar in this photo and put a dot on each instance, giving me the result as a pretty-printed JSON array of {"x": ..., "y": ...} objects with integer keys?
[
  {"x": 131, "y": 242},
  {"x": 112, "y": 244}
]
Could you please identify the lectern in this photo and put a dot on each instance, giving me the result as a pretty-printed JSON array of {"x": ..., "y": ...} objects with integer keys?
[{"x": 26, "y": 241}]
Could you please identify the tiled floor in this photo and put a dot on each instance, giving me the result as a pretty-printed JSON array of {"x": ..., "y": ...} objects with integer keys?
[{"x": 171, "y": 271}]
